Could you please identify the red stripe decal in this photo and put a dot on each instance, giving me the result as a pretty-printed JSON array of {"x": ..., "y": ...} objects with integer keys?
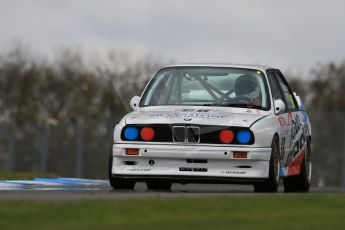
[{"x": 294, "y": 168}]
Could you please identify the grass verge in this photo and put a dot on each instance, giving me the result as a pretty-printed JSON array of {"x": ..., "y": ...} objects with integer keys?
[
  {"x": 24, "y": 175},
  {"x": 300, "y": 211}
]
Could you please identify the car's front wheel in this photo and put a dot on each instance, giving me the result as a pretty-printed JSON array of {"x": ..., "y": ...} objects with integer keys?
[
  {"x": 272, "y": 182},
  {"x": 118, "y": 183},
  {"x": 300, "y": 183}
]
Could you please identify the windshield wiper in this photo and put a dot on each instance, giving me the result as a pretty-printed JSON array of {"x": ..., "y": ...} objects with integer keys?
[
  {"x": 215, "y": 105},
  {"x": 209, "y": 105},
  {"x": 245, "y": 106},
  {"x": 235, "y": 105}
]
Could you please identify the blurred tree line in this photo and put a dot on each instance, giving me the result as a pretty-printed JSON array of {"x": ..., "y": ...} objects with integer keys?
[
  {"x": 69, "y": 87},
  {"x": 58, "y": 113},
  {"x": 324, "y": 97}
]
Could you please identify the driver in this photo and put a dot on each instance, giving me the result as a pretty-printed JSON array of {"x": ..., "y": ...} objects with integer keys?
[{"x": 247, "y": 90}]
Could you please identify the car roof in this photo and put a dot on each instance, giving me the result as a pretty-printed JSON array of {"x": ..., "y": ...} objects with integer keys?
[{"x": 244, "y": 66}]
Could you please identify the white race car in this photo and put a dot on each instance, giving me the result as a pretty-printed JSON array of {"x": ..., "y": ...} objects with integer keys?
[{"x": 214, "y": 124}]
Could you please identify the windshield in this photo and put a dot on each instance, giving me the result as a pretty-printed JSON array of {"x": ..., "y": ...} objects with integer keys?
[{"x": 207, "y": 86}]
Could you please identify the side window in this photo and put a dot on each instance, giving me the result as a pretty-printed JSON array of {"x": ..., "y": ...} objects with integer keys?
[
  {"x": 289, "y": 98},
  {"x": 276, "y": 93}
]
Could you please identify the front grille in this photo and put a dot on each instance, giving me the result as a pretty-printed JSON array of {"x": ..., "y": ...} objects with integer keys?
[
  {"x": 181, "y": 133},
  {"x": 190, "y": 134},
  {"x": 193, "y": 134}
]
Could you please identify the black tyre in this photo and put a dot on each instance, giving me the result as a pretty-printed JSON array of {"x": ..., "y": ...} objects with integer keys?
[
  {"x": 300, "y": 183},
  {"x": 159, "y": 185},
  {"x": 118, "y": 183},
  {"x": 272, "y": 182}
]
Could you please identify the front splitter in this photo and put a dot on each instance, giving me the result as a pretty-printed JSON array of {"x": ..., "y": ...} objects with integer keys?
[{"x": 191, "y": 179}]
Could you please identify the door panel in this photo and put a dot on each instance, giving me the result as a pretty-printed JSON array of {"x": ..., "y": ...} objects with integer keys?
[
  {"x": 284, "y": 119},
  {"x": 294, "y": 130}
]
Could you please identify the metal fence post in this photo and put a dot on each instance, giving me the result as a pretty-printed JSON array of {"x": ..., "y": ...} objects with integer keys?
[
  {"x": 342, "y": 118},
  {"x": 10, "y": 159},
  {"x": 10, "y": 143},
  {"x": 80, "y": 154},
  {"x": 79, "y": 149},
  {"x": 43, "y": 133},
  {"x": 45, "y": 145}
]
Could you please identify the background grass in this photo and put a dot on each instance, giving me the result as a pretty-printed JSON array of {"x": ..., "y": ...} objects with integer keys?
[
  {"x": 24, "y": 175},
  {"x": 283, "y": 211}
]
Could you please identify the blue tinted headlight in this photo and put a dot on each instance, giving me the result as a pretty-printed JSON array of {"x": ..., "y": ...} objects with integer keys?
[
  {"x": 243, "y": 136},
  {"x": 131, "y": 133}
]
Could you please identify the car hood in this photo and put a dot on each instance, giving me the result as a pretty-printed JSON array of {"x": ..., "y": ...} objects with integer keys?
[{"x": 224, "y": 116}]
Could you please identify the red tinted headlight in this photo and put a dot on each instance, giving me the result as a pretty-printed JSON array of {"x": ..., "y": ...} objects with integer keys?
[
  {"x": 147, "y": 133},
  {"x": 226, "y": 136}
]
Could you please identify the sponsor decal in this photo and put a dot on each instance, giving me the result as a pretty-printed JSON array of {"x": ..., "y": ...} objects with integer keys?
[
  {"x": 282, "y": 148},
  {"x": 285, "y": 125},
  {"x": 298, "y": 146},
  {"x": 296, "y": 132},
  {"x": 234, "y": 172},
  {"x": 294, "y": 168},
  {"x": 296, "y": 126},
  {"x": 139, "y": 170},
  {"x": 305, "y": 117},
  {"x": 200, "y": 114}
]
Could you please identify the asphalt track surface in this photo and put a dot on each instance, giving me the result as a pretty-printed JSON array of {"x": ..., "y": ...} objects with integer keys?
[{"x": 104, "y": 191}]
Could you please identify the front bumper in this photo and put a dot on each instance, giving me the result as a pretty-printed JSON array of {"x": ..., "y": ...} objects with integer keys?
[{"x": 190, "y": 163}]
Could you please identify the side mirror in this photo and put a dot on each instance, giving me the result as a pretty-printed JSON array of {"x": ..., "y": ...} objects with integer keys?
[
  {"x": 134, "y": 103},
  {"x": 299, "y": 102},
  {"x": 279, "y": 106}
]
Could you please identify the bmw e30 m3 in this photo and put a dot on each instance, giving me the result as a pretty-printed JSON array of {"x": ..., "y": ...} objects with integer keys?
[{"x": 214, "y": 124}]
